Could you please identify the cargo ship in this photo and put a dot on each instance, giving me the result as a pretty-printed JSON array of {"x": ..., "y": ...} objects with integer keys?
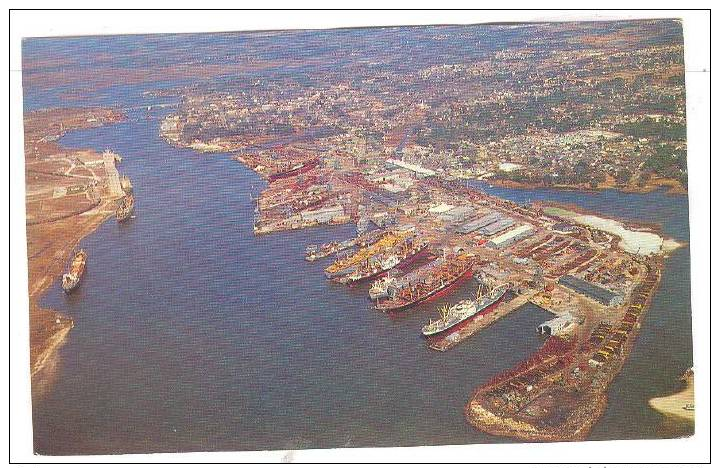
[
  {"x": 71, "y": 279},
  {"x": 314, "y": 252},
  {"x": 452, "y": 317},
  {"x": 373, "y": 267},
  {"x": 381, "y": 288},
  {"x": 125, "y": 209},
  {"x": 295, "y": 170},
  {"x": 345, "y": 266},
  {"x": 394, "y": 280},
  {"x": 436, "y": 283}
]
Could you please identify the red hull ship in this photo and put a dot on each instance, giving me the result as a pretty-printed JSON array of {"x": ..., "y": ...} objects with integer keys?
[
  {"x": 295, "y": 170},
  {"x": 448, "y": 277}
]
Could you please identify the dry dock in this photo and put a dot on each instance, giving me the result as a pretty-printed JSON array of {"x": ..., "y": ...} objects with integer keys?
[{"x": 480, "y": 323}]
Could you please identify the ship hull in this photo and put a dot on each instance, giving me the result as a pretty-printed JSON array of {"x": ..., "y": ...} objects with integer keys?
[
  {"x": 125, "y": 211},
  {"x": 337, "y": 274},
  {"x": 450, "y": 287},
  {"x": 70, "y": 287},
  {"x": 452, "y": 328},
  {"x": 404, "y": 262},
  {"x": 71, "y": 280}
]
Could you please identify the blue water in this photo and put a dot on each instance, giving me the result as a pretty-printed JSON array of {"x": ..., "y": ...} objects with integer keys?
[{"x": 193, "y": 334}]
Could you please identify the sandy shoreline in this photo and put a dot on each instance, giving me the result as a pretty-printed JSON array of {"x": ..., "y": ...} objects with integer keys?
[
  {"x": 677, "y": 405},
  {"x": 635, "y": 238},
  {"x": 56, "y": 326},
  {"x": 69, "y": 195}
]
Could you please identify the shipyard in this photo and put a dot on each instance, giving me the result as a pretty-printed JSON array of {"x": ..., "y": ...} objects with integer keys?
[
  {"x": 434, "y": 235},
  {"x": 421, "y": 234}
]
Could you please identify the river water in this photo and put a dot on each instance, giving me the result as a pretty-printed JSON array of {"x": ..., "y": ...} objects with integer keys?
[{"x": 193, "y": 334}]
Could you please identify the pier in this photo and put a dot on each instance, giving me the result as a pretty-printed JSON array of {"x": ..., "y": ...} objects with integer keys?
[
  {"x": 114, "y": 184},
  {"x": 480, "y": 322}
]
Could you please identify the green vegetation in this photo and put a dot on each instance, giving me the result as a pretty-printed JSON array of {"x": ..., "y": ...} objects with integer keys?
[
  {"x": 649, "y": 128},
  {"x": 670, "y": 162}
]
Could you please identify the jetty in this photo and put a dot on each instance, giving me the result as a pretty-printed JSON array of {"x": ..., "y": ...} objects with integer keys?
[{"x": 114, "y": 184}]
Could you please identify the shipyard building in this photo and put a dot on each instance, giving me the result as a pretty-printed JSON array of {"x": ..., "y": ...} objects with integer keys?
[
  {"x": 558, "y": 325},
  {"x": 511, "y": 236},
  {"x": 496, "y": 227},
  {"x": 323, "y": 215},
  {"x": 478, "y": 223},
  {"x": 457, "y": 214},
  {"x": 592, "y": 291}
]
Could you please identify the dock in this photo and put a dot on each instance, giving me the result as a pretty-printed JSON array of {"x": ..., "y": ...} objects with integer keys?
[
  {"x": 480, "y": 322},
  {"x": 114, "y": 184}
]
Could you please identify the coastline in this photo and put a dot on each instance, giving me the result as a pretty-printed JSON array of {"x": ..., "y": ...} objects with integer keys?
[
  {"x": 626, "y": 232},
  {"x": 673, "y": 187},
  {"x": 675, "y": 407},
  {"x": 49, "y": 338},
  {"x": 580, "y": 420},
  {"x": 586, "y": 415},
  {"x": 74, "y": 183},
  {"x": 53, "y": 344}
]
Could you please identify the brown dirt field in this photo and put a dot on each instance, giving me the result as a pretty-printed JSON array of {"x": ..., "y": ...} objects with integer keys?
[{"x": 56, "y": 224}]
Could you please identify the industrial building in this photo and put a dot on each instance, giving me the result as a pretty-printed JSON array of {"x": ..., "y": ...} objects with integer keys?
[
  {"x": 493, "y": 228},
  {"x": 557, "y": 325},
  {"x": 323, "y": 215},
  {"x": 386, "y": 198},
  {"x": 441, "y": 208},
  {"x": 592, "y": 291},
  {"x": 419, "y": 170},
  {"x": 511, "y": 236},
  {"x": 457, "y": 214},
  {"x": 476, "y": 224}
]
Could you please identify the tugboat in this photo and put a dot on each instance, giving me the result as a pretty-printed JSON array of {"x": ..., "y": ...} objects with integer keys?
[
  {"x": 125, "y": 209},
  {"x": 71, "y": 279}
]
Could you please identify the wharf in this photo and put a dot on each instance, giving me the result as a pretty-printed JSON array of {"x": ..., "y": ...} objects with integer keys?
[
  {"x": 114, "y": 184},
  {"x": 480, "y": 323}
]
